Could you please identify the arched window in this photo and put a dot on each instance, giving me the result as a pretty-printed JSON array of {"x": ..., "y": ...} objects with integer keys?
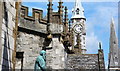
[{"x": 77, "y": 11}]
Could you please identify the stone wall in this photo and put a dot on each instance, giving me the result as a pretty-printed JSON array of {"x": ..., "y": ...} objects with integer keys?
[
  {"x": 85, "y": 61},
  {"x": 101, "y": 59},
  {"x": 31, "y": 45},
  {"x": 0, "y": 31},
  {"x": 33, "y": 25},
  {"x": 56, "y": 56},
  {"x": 7, "y": 38}
]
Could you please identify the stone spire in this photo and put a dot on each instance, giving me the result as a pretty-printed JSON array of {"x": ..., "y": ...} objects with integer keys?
[
  {"x": 78, "y": 11},
  {"x": 113, "y": 52},
  {"x": 60, "y": 11}
]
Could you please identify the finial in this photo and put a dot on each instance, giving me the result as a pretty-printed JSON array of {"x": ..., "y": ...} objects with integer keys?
[
  {"x": 77, "y": 2},
  {"x": 78, "y": 10},
  {"x": 60, "y": 10},
  {"x": 60, "y": 5},
  {"x": 60, "y": 0},
  {"x": 66, "y": 8},
  {"x": 112, "y": 20},
  {"x": 50, "y": 0},
  {"x": 100, "y": 45},
  {"x": 49, "y": 17}
]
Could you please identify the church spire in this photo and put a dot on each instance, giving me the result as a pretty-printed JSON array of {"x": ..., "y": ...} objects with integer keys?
[
  {"x": 113, "y": 37},
  {"x": 113, "y": 55},
  {"x": 78, "y": 10}
]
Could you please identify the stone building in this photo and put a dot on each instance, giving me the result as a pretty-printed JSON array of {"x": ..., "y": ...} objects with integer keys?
[
  {"x": 54, "y": 35},
  {"x": 25, "y": 36},
  {"x": 8, "y": 28}
]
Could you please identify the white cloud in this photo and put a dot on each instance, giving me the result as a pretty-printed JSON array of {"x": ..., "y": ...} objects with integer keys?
[
  {"x": 102, "y": 18},
  {"x": 56, "y": 10},
  {"x": 92, "y": 44},
  {"x": 98, "y": 28}
]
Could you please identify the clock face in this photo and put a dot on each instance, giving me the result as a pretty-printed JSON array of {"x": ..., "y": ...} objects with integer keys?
[{"x": 78, "y": 28}]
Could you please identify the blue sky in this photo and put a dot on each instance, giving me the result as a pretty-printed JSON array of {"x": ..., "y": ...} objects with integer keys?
[{"x": 98, "y": 15}]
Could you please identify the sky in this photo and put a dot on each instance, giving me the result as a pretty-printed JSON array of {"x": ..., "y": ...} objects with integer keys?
[{"x": 98, "y": 19}]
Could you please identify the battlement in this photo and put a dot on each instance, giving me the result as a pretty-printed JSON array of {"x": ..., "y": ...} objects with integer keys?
[
  {"x": 37, "y": 14},
  {"x": 34, "y": 22},
  {"x": 37, "y": 23}
]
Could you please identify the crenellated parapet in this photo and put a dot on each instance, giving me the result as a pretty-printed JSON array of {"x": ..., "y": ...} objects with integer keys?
[
  {"x": 34, "y": 22},
  {"x": 37, "y": 23},
  {"x": 36, "y": 14}
]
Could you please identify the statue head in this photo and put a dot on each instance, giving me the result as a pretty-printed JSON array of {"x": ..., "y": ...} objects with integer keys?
[{"x": 43, "y": 54}]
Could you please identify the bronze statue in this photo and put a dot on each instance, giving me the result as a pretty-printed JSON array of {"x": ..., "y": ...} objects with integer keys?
[{"x": 40, "y": 64}]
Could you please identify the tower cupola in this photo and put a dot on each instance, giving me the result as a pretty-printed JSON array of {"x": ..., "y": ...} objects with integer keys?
[{"x": 78, "y": 11}]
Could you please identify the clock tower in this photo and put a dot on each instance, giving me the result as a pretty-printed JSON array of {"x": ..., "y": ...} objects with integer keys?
[{"x": 78, "y": 28}]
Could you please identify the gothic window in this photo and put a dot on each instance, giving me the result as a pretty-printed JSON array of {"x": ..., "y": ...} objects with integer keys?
[
  {"x": 116, "y": 60},
  {"x": 77, "y": 11},
  {"x": 114, "y": 42}
]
